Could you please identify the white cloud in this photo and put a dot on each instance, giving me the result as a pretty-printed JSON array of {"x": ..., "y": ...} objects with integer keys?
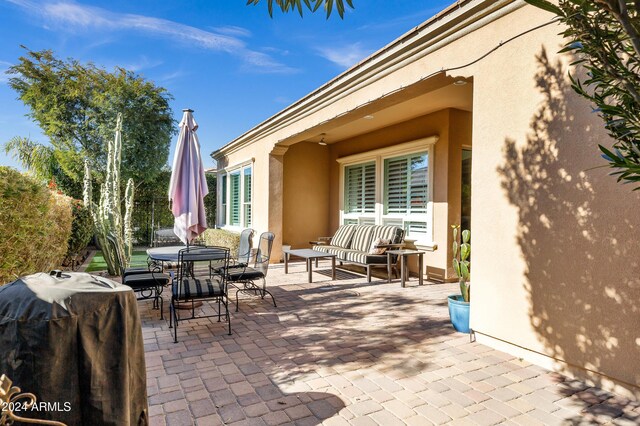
[
  {"x": 143, "y": 63},
  {"x": 232, "y": 30},
  {"x": 73, "y": 17},
  {"x": 175, "y": 75},
  {"x": 4, "y": 66},
  {"x": 346, "y": 55}
]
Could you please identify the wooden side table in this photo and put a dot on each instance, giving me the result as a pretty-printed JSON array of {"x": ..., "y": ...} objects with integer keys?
[{"x": 404, "y": 273}]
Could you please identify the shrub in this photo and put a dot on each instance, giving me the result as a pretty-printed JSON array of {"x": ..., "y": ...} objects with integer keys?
[
  {"x": 81, "y": 229},
  {"x": 35, "y": 225},
  {"x": 222, "y": 238}
]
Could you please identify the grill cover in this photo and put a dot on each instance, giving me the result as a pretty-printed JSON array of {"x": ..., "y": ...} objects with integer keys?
[{"x": 75, "y": 341}]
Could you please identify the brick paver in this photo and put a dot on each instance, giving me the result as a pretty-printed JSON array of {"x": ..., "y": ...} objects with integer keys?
[{"x": 348, "y": 352}]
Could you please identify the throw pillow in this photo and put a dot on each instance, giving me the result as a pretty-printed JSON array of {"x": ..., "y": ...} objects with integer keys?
[{"x": 379, "y": 250}]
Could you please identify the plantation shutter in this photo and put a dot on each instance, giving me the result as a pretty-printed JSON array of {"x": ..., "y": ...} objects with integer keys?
[
  {"x": 234, "y": 214},
  {"x": 360, "y": 187},
  {"x": 418, "y": 183},
  {"x": 247, "y": 196},
  {"x": 406, "y": 184},
  {"x": 223, "y": 206}
]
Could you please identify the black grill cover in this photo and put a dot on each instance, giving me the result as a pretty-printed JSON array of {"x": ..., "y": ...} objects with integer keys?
[{"x": 75, "y": 341}]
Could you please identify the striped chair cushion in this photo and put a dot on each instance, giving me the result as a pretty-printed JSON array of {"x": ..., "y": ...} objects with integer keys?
[
  {"x": 323, "y": 248},
  {"x": 338, "y": 251},
  {"x": 195, "y": 288},
  {"x": 366, "y": 258},
  {"x": 362, "y": 238},
  {"x": 343, "y": 236},
  {"x": 388, "y": 232}
]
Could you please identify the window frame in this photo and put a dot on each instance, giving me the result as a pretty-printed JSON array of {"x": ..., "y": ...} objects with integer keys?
[
  {"x": 425, "y": 145},
  {"x": 224, "y": 206},
  {"x": 361, "y": 218}
]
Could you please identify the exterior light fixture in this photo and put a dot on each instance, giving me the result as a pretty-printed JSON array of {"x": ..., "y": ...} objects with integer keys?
[
  {"x": 460, "y": 82},
  {"x": 368, "y": 117},
  {"x": 322, "y": 142}
]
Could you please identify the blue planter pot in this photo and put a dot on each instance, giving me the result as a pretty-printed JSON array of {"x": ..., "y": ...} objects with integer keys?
[{"x": 459, "y": 313}]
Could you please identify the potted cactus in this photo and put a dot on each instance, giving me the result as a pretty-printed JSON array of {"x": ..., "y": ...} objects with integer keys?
[{"x": 459, "y": 303}]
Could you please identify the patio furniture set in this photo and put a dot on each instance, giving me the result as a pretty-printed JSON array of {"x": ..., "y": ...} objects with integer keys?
[
  {"x": 370, "y": 246},
  {"x": 205, "y": 273},
  {"x": 200, "y": 273}
]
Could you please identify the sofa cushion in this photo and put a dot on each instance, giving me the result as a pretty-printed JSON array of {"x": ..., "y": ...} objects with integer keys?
[
  {"x": 362, "y": 238},
  {"x": 343, "y": 236},
  {"x": 366, "y": 258},
  {"x": 338, "y": 251},
  {"x": 389, "y": 232}
]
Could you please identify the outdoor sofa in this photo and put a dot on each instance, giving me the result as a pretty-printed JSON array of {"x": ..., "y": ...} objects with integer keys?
[{"x": 364, "y": 245}]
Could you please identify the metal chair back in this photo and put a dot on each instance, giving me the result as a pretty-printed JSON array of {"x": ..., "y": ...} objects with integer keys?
[
  {"x": 264, "y": 252},
  {"x": 189, "y": 257},
  {"x": 245, "y": 246}
]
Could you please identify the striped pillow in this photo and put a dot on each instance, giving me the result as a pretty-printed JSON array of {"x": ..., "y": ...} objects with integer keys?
[
  {"x": 362, "y": 238},
  {"x": 343, "y": 236}
]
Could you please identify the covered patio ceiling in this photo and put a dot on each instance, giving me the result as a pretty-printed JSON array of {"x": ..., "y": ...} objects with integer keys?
[{"x": 422, "y": 98}]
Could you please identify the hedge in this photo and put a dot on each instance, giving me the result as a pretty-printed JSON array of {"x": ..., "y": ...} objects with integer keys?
[
  {"x": 222, "y": 238},
  {"x": 35, "y": 225}
]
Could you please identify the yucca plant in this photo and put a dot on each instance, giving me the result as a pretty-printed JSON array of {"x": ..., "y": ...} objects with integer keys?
[
  {"x": 107, "y": 216},
  {"x": 461, "y": 264}
]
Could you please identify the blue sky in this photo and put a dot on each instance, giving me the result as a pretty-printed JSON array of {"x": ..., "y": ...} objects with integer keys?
[{"x": 230, "y": 62}]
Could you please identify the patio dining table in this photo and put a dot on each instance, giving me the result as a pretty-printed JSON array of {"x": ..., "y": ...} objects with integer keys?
[{"x": 165, "y": 254}]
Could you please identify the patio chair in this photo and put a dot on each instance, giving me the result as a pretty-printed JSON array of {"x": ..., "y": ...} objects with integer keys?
[
  {"x": 198, "y": 281},
  {"x": 164, "y": 237},
  {"x": 148, "y": 283},
  {"x": 244, "y": 251},
  {"x": 243, "y": 278}
]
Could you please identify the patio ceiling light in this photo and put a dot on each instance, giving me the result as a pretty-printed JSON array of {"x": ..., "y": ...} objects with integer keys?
[
  {"x": 368, "y": 117},
  {"x": 460, "y": 82},
  {"x": 322, "y": 142}
]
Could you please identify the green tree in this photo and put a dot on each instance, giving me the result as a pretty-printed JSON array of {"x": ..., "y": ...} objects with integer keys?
[
  {"x": 313, "y": 5},
  {"x": 76, "y": 106},
  {"x": 604, "y": 36}
]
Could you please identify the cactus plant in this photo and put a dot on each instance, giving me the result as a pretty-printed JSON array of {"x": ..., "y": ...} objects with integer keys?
[
  {"x": 461, "y": 264},
  {"x": 107, "y": 217}
]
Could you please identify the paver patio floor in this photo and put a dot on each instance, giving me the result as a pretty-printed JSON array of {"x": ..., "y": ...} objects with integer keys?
[{"x": 348, "y": 352}]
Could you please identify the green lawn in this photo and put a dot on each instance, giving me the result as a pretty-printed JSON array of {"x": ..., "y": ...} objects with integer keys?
[{"x": 139, "y": 258}]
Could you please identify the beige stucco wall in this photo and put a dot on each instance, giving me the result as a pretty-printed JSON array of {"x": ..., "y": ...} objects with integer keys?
[
  {"x": 263, "y": 184},
  {"x": 306, "y": 194},
  {"x": 554, "y": 265}
]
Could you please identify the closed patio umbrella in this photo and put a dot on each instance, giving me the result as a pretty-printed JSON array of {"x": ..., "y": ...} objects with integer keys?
[{"x": 188, "y": 185}]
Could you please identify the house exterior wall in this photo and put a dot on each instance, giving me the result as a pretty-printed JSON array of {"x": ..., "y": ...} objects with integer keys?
[
  {"x": 306, "y": 194},
  {"x": 262, "y": 186},
  {"x": 554, "y": 241},
  {"x": 553, "y": 264}
]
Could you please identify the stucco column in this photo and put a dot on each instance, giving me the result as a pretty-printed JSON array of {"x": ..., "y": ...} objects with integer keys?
[{"x": 276, "y": 198}]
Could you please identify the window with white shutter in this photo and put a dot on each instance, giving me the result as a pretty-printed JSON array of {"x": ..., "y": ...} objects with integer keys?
[
  {"x": 223, "y": 199},
  {"x": 246, "y": 197},
  {"x": 406, "y": 192},
  {"x": 360, "y": 193},
  {"x": 390, "y": 186},
  {"x": 234, "y": 199},
  {"x": 236, "y": 196}
]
